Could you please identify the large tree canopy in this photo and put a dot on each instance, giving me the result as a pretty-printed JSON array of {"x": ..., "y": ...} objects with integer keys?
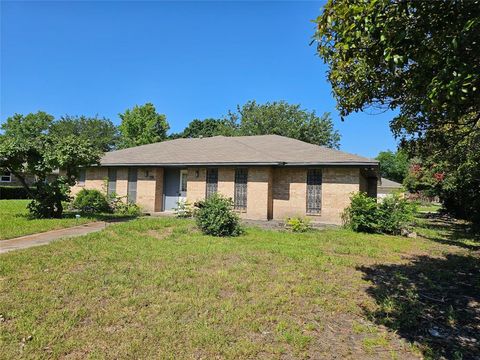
[
  {"x": 101, "y": 132},
  {"x": 28, "y": 145},
  {"x": 142, "y": 125},
  {"x": 281, "y": 118},
  {"x": 276, "y": 118},
  {"x": 423, "y": 59},
  {"x": 207, "y": 128},
  {"x": 393, "y": 165}
]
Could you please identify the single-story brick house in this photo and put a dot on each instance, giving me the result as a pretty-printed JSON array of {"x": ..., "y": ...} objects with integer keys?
[
  {"x": 268, "y": 176},
  {"x": 387, "y": 187}
]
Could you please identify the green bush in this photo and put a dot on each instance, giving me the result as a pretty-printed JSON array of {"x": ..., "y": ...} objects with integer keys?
[
  {"x": 298, "y": 224},
  {"x": 13, "y": 192},
  {"x": 215, "y": 216},
  {"x": 91, "y": 201},
  {"x": 362, "y": 215},
  {"x": 389, "y": 216},
  {"x": 395, "y": 213}
]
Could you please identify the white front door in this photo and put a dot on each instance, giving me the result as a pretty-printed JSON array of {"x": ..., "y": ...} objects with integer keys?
[{"x": 182, "y": 193}]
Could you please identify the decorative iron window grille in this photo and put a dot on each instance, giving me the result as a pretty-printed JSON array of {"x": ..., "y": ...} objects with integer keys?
[
  {"x": 112, "y": 181},
  {"x": 240, "y": 194},
  {"x": 132, "y": 185},
  {"x": 314, "y": 191},
  {"x": 212, "y": 182}
]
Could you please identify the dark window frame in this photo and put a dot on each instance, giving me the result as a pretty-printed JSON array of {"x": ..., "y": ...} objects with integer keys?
[
  {"x": 314, "y": 191},
  {"x": 211, "y": 182},
  {"x": 132, "y": 185},
  {"x": 240, "y": 194},
  {"x": 112, "y": 181}
]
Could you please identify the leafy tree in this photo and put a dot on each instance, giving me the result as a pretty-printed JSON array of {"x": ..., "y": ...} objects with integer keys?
[
  {"x": 281, "y": 118},
  {"x": 207, "y": 128},
  {"x": 28, "y": 145},
  {"x": 420, "y": 57},
  {"x": 142, "y": 125},
  {"x": 102, "y": 133},
  {"x": 393, "y": 165}
]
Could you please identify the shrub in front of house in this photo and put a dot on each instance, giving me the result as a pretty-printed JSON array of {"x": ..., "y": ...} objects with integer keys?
[
  {"x": 395, "y": 213},
  {"x": 362, "y": 215},
  {"x": 215, "y": 216},
  {"x": 91, "y": 201},
  {"x": 127, "y": 209},
  {"x": 298, "y": 224},
  {"x": 389, "y": 216},
  {"x": 13, "y": 192},
  {"x": 183, "y": 209}
]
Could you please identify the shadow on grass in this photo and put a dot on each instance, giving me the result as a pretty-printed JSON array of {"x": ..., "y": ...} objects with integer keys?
[
  {"x": 434, "y": 302},
  {"x": 449, "y": 231}
]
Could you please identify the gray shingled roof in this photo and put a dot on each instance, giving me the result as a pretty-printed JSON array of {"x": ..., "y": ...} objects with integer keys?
[
  {"x": 386, "y": 183},
  {"x": 221, "y": 150}
]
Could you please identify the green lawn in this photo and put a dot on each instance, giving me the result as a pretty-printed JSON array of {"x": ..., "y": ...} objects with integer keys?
[
  {"x": 156, "y": 288},
  {"x": 14, "y": 220}
]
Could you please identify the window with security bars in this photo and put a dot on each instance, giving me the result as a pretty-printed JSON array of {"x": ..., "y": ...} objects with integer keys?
[
  {"x": 132, "y": 185},
  {"x": 240, "y": 194},
  {"x": 112, "y": 181},
  {"x": 314, "y": 191},
  {"x": 212, "y": 182}
]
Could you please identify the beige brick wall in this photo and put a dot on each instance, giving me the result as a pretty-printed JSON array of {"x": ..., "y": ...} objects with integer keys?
[
  {"x": 259, "y": 194},
  {"x": 150, "y": 189},
  {"x": 94, "y": 179},
  {"x": 289, "y": 192},
  {"x": 337, "y": 186},
  {"x": 226, "y": 181},
  {"x": 271, "y": 193},
  {"x": 196, "y": 185},
  {"x": 149, "y": 186}
]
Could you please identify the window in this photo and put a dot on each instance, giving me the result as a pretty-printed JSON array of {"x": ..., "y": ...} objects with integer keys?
[
  {"x": 5, "y": 177},
  {"x": 183, "y": 181},
  {"x": 314, "y": 191},
  {"x": 112, "y": 181},
  {"x": 81, "y": 177},
  {"x": 132, "y": 185},
  {"x": 240, "y": 192},
  {"x": 212, "y": 182}
]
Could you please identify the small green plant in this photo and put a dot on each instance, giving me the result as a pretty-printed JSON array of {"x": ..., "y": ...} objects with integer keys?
[
  {"x": 183, "y": 209},
  {"x": 298, "y": 224},
  {"x": 127, "y": 208},
  {"x": 91, "y": 201},
  {"x": 215, "y": 216},
  {"x": 389, "y": 216},
  {"x": 121, "y": 206}
]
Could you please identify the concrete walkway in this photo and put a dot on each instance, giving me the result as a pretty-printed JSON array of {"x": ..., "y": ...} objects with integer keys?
[{"x": 27, "y": 241}]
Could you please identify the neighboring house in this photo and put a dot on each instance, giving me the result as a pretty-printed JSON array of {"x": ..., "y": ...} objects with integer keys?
[
  {"x": 8, "y": 179},
  {"x": 268, "y": 176},
  {"x": 386, "y": 187}
]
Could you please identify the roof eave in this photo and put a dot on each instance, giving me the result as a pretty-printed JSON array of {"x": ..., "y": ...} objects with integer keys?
[{"x": 321, "y": 163}]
